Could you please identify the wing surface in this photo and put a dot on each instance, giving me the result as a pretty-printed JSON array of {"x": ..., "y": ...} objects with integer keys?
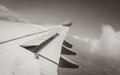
[{"x": 23, "y": 45}]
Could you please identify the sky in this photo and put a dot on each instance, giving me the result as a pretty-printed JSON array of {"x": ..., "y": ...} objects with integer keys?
[
  {"x": 95, "y": 29},
  {"x": 88, "y": 16},
  {"x": 107, "y": 45}
]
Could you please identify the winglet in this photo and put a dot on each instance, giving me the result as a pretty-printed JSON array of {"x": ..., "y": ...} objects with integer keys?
[{"x": 68, "y": 23}]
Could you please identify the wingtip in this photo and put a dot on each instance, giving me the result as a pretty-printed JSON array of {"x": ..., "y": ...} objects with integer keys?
[{"x": 68, "y": 23}]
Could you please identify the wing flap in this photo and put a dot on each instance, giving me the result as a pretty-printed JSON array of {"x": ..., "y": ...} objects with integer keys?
[{"x": 47, "y": 44}]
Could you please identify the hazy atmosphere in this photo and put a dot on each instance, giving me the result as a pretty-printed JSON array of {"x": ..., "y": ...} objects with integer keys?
[{"x": 95, "y": 33}]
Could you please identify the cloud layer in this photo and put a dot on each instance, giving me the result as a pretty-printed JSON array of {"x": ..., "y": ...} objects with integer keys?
[
  {"x": 9, "y": 15},
  {"x": 107, "y": 45}
]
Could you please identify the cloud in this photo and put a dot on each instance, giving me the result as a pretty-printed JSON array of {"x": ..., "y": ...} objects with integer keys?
[
  {"x": 76, "y": 37},
  {"x": 109, "y": 42},
  {"x": 107, "y": 45},
  {"x": 9, "y": 15}
]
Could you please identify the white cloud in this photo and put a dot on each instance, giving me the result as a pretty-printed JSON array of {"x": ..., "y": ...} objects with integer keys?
[
  {"x": 107, "y": 45},
  {"x": 9, "y": 15},
  {"x": 81, "y": 38},
  {"x": 109, "y": 42}
]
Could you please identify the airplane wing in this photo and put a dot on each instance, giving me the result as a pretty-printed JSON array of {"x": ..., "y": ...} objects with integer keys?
[{"x": 29, "y": 49}]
